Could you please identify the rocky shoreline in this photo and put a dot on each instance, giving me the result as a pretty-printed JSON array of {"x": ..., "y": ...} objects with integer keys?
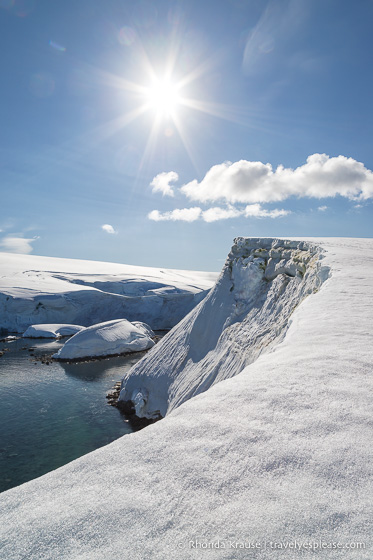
[{"x": 127, "y": 409}]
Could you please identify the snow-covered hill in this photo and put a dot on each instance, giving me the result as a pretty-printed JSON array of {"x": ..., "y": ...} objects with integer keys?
[
  {"x": 36, "y": 290},
  {"x": 273, "y": 463},
  {"x": 246, "y": 314}
]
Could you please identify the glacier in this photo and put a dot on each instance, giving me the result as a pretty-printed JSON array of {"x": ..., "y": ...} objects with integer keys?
[
  {"x": 43, "y": 290},
  {"x": 245, "y": 314},
  {"x": 276, "y": 454}
]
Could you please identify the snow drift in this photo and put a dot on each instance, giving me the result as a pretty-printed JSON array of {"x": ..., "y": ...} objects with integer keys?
[
  {"x": 106, "y": 339},
  {"x": 51, "y": 331},
  {"x": 35, "y": 290},
  {"x": 246, "y": 314}
]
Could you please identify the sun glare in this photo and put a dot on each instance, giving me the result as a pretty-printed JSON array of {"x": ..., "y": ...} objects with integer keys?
[{"x": 163, "y": 97}]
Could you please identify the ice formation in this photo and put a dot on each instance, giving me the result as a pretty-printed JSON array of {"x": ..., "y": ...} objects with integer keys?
[
  {"x": 35, "y": 290},
  {"x": 106, "y": 339},
  {"x": 244, "y": 315}
]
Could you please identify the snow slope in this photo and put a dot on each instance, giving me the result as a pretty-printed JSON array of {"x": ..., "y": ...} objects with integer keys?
[
  {"x": 278, "y": 455},
  {"x": 244, "y": 315},
  {"x": 36, "y": 290}
]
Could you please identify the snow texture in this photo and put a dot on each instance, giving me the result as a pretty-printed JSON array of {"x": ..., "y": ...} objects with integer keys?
[
  {"x": 51, "y": 331},
  {"x": 144, "y": 328},
  {"x": 106, "y": 339},
  {"x": 35, "y": 290},
  {"x": 279, "y": 453},
  {"x": 245, "y": 314}
]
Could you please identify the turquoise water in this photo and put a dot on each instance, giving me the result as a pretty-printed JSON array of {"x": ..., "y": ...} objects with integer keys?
[{"x": 52, "y": 414}]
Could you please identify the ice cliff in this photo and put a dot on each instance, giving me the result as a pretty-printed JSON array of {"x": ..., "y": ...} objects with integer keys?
[{"x": 246, "y": 313}]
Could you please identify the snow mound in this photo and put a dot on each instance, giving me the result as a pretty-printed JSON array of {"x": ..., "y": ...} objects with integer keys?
[
  {"x": 105, "y": 339},
  {"x": 35, "y": 290},
  {"x": 56, "y": 330},
  {"x": 245, "y": 314}
]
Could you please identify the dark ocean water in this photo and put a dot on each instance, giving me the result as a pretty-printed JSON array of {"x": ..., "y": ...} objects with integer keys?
[{"x": 52, "y": 414}]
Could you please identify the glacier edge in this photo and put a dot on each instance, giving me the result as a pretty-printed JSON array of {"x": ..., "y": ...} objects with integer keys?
[{"x": 246, "y": 314}]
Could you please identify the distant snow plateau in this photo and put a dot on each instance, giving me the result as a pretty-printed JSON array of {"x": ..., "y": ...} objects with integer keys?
[{"x": 43, "y": 290}]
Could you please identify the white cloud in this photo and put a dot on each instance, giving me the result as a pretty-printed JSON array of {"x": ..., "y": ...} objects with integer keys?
[
  {"x": 256, "y": 211},
  {"x": 216, "y": 213},
  {"x": 15, "y": 244},
  {"x": 179, "y": 214},
  {"x": 161, "y": 183},
  {"x": 108, "y": 228},
  {"x": 253, "y": 181},
  {"x": 322, "y": 208}
]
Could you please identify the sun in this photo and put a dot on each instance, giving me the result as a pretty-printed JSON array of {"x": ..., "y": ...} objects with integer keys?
[
  {"x": 163, "y": 97},
  {"x": 167, "y": 97}
]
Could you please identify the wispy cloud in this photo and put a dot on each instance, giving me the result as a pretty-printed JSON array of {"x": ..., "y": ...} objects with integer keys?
[
  {"x": 278, "y": 25},
  {"x": 13, "y": 243},
  {"x": 322, "y": 208},
  {"x": 161, "y": 183},
  {"x": 108, "y": 228}
]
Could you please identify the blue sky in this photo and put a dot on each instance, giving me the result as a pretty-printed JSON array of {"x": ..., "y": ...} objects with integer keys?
[{"x": 154, "y": 133}]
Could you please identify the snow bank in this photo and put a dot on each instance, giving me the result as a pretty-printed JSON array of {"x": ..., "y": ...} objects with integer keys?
[
  {"x": 36, "y": 290},
  {"x": 244, "y": 315},
  {"x": 51, "y": 331},
  {"x": 106, "y": 339},
  {"x": 280, "y": 453}
]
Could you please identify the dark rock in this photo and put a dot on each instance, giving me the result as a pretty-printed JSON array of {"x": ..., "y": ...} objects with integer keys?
[
  {"x": 137, "y": 423},
  {"x": 126, "y": 407}
]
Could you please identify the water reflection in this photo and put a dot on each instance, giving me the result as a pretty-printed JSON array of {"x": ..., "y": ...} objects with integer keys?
[
  {"x": 94, "y": 370},
  {"x": 52, "y": 413}
]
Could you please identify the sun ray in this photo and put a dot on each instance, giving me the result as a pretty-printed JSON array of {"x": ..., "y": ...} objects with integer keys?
[
  {"x": 163, "y": 92},
  {"x": 201, "y": 70},
  {"x": 149, "y": 148},
  {"x": 228, "y": 113},
  {"x": 186, "y": 143}
]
